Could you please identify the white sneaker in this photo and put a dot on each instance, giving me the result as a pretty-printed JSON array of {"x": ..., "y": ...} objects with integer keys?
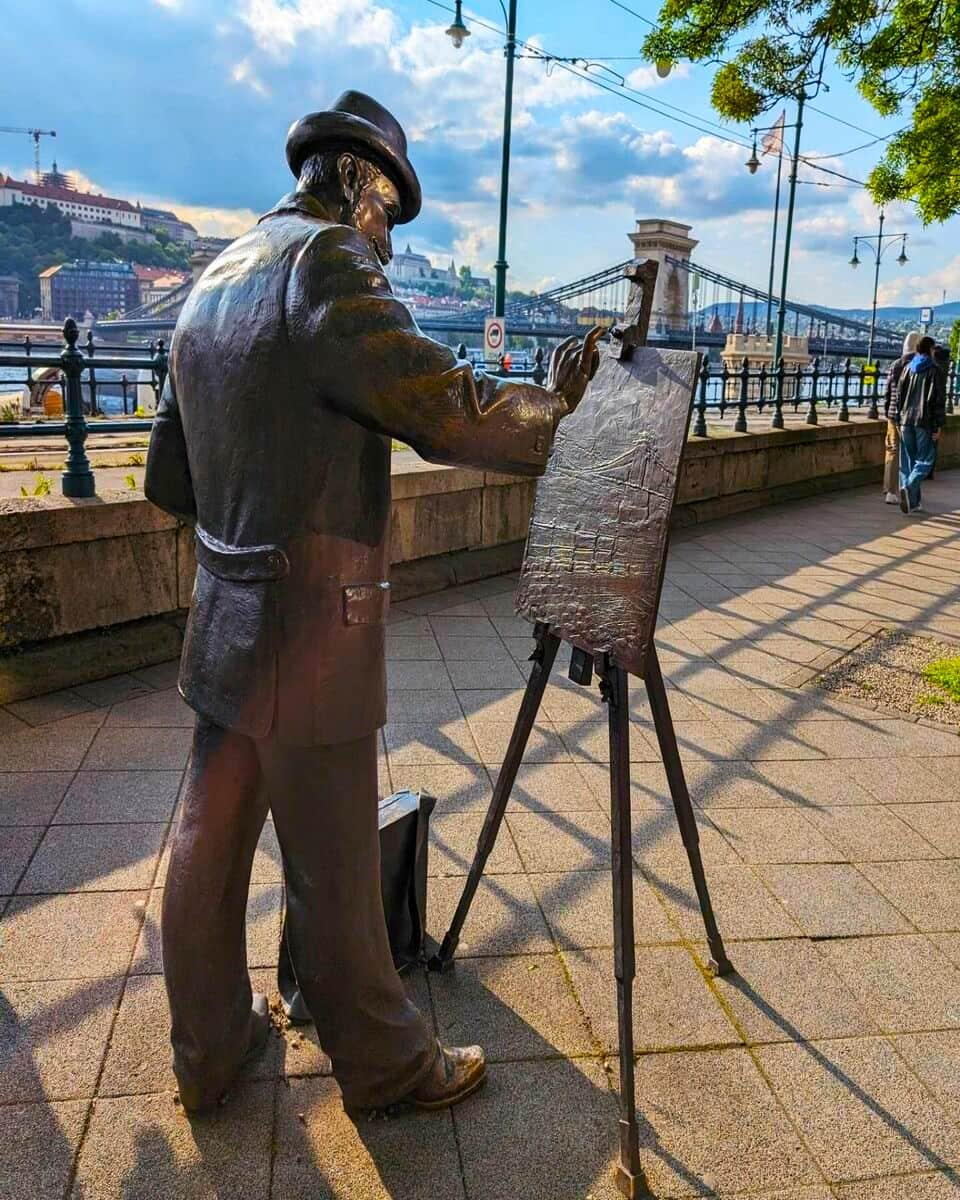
[
  {"x": 918, "y": 508},
  {"x": 891, "y": 498}
]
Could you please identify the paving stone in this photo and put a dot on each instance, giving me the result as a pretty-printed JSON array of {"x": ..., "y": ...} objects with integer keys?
[
  {"x": 771, "y": 835},
  {"x": 484, "y": 676},
  {"x": 852, "y": 739},
  {"x": 893, "y": 782},
  {"x": 38, "y": 1143},
  {"x": 871, "y": 833},
  {"x": 673, "y": 1006},
  {"x": 743, "y": 907},
  {"x": 549, "y": 787},
  {"x": 9, "y": 724},
  {"x": 948, "y": 944},
  {"x": 429, "y": 744},
  {"x": 17, "y": 845},
  {"x": 648, "y": 785},
  {"x": 268, "y": 861},
  {"x": 493, "y": 738},
  {"x": 518, "y": 1007},
  {"x": 140, "y": 750},
  {"x": 163, "y": 675},
  {"x": 936, "y": 1059},
  {"x": 787, "y": 991},
  {"x": 832, "y": 901},
  {"x": 31, "y": 797},
  {"x": 657, "y": 840},
  {"x": 95, "y": 858},
  {"x": 322, "y": 1155},
  {"x": 453, "y": 843},
  {"x": 54, "y": 1036},
  {"x": 858, "y": 1105},
  {"x": 937, "y": 823},
  {"x": 730, "y": 785},
  {"x": 500, "y": 704},
  {"x": 417, "y": 677},
  {"x": 562, "y": 841},
  {"x": 107, "y": 797},
  {"x": 708, "y": 1123},
  {"x": 568, "y": 1119},
  {"x": 402, "y": 648},
  {"x": 504, "y": 918},
  {"x": 568, "y": 703},
  {"x": 114, "y": 690},
  {"x": 54, "y": 706},
  {"x": 140, "y": 1146},
  {"x": 80, "y": 936},
  {"x": 947, "y": 770},
  {"x": 457, "y": 788},
  {"x": 927, "y": 893},
  {"x": 775, "y": 741},
  {"x": 942, "y": 1186},
  {"x": 491, "y": 649},
  {"x": 401, "y": 622},
  {"x": 905, "y": 983},
  {"x": 741, "y": 705},
  {"x": 465, "y": 627},
  {"x": 578, "y": 906},
  {"x": 429, "y": 707},
  {"x": 809, "y": 784},
  {"x": 158, "y": 710},
  {"x": 57, "y": 747}
]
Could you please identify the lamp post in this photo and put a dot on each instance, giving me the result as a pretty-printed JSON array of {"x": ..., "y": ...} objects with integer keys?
[
  {"x": 878, "y": 251},
  {"x": 457, "y": 33},
  {"x": 752, "y": 164}
]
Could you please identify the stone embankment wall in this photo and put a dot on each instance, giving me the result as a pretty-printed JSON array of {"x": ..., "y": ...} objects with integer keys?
[{"x": 118, "y": 572}]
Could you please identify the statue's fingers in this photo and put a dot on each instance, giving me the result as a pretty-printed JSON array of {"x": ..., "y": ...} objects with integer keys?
[{"x": 589, "y": 360}]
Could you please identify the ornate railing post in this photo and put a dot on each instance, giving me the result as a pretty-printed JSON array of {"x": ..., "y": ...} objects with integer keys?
[
  {"x": 740, "y": 425},
  {"x": 77, "y": 479},
  {"x": 539, "y": 370},
  {"x": 763, "y": 378},
  {"x": 812, "y": 418},
  {"x": 724, "y": 380},
  {"x": 778, "y": 381},
  {"x": 844, "y": 414},
  {"x": 797, "y": 385},
  {"x": 700, "y": 425},
  {"x": 874, "y": 413},
  {"x": 92, "y": 375}
]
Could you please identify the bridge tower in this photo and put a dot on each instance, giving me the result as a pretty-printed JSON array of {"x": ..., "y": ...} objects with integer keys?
[{"x": 654, "y": 238}]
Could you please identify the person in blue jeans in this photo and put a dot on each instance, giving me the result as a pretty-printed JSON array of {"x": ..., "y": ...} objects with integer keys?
[{"x": 921, "y": 409}]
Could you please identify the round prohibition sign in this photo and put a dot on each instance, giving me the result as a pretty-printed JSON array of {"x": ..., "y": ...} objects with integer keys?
[{"x": 494, "y": 335}]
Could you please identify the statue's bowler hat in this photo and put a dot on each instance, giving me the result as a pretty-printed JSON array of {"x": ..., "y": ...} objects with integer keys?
[{"x": 357, "y": 122}]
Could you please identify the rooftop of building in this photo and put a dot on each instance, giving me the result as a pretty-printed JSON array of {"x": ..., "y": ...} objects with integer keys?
[{"x": 68, "y": 195}]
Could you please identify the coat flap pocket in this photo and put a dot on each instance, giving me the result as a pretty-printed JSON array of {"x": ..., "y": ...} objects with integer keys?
[{"x": 366, "y": 603}]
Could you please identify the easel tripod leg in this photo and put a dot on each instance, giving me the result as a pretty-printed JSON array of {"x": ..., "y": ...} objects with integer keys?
[
  {"x": 630, "y": 1179},
  {"x": 666, "y": 736},
  {"x": 543, "y": 659}
]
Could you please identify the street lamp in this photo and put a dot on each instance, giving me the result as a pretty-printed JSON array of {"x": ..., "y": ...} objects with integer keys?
[
  {"x": 457, "y": 32},
  {"x": 878, "y": 251},
  {"x": 752, "y": 164}
]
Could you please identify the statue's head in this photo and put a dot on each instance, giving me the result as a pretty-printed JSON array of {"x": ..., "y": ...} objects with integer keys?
[{"x": 353, "y": 157}]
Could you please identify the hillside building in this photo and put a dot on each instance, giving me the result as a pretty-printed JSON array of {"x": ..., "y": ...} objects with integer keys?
[
  {"x": 80, "y": 206},
  {"x": 157, "y": 219},
  {"x": 76, "y": 288}
]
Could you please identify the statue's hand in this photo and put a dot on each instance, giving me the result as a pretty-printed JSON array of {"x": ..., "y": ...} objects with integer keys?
[{"x": 572, "y": 366}]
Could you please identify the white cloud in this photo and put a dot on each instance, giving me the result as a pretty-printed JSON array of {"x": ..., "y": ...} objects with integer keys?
[{"x": 244, "y": 73}]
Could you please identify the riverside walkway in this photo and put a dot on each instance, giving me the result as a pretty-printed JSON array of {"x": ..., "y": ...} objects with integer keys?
[{"x": 829, "y": 1066}]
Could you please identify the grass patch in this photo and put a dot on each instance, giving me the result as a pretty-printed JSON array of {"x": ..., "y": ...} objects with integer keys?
[{"x": 945, "y": 673}]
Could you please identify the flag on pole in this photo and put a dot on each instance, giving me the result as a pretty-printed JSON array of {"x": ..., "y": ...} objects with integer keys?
[{"x": 773, "y": 141}]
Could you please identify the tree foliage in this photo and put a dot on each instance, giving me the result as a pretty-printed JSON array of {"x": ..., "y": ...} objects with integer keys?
[
  {"x": 32, "y": 239},
  {"x": 903, "y": 56}
]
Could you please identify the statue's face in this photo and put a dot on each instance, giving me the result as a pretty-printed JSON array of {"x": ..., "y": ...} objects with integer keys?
[{"x": 375, "y": 214}]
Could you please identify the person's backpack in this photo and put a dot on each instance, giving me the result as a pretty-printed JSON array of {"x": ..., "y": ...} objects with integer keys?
[{"x": 404, "y": 839}]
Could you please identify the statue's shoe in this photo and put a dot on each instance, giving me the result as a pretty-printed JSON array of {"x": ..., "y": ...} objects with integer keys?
[
  {"x": 196, "y": 1099},
  {"x": 457, "y": 1073}
]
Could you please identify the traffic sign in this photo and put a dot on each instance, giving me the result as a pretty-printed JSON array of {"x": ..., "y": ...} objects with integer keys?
[
  {"x": 926, "y": 317},
  {"x": 494, "y": 335}
]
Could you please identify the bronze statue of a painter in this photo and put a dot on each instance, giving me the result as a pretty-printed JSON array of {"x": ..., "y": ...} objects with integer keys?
[{"x": 291, "y": 368}]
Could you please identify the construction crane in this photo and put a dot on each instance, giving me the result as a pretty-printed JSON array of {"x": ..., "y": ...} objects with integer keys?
[{"x": 36, "y": 134}]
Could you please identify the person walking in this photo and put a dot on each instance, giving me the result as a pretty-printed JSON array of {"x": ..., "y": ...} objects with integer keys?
[
  {"x": 922, "y": 406},
  {"x": 891, "y": 450}
]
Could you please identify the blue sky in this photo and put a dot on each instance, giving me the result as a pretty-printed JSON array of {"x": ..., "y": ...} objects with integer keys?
[{"x": 186, "y": 103}]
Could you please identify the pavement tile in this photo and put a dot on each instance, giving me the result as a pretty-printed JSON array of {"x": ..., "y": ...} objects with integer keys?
[
  {"x": 54, "y": 1036},
  {"x": 569, "y": 703},
  {"x": 731, "y": 785},
  {"x": 163, "y": 675},
  {"x": 504, "y": 918},
  {"x": 568, "y": 1143},
  {"x": 673, "y": 1005},
  {"x": 416, "y": 677},
  {"x": 787, "y": 991},
  {"x": 743, "y": 907},
  {"x": 140, "y": 750},
  {"x": 402, "y": 622},
  {"x": 549, "y": 788},
  {"x": 709, "y": 1124},
  {"x": 85, "y": 935},
  {"x": 936, "y": 1059},
  {"x": 772, "y": 835},
  {"x": 858, "y": 1105},
  {"x": 484, "y": 676},
  {"x": 871, "y": 833},
  {"x": 38, "y": 1143},
  {"x": 657, "y": 841},
  {"x": 501, "y": 704},
  {"x": 94, "y": 858},
  {"x": 589, "y": 741},
  {"x": 429, "y": 744},
  {"x": 457, "y": 788},
  {"x": 453, "y": 843},
  {"x": 113, "y": 690},
  {"x": 9, "y": 724},
  {"x": 157, "y": 710},
  {"x": 517, "y": 1007},
  {"x": 776, "y": 740},
  {"x": 578, "y": 841},
  {"x": 927, "y": 893},
  {"x": 140, "y": 1146},
  {"x": 493, "y": 738},
  {"x": 905, "y": 983},
  {"x": 809, "y": 784},
  {"x": 267, "y": 861},
  {"x": 57, "y": 747},
  {"x": 578, "y": 906},
  {"x": 449, "y": 626},
  {"x": 400, "y": 647},
  {"x": 938, "y": 823},
  {"x": 54, "y": 706},
  {"x": 107, "y": 797},
  {"x": 17, "y": 845},
  {"x": 31, "y": 797},
  {"x": 832, "y": 900},
  {"x": 941, "y": 1186},
  {"x": 741, "y": 705},
  {"x": 893, "y": 782},
  {"x": 853, "y": 739},
  {"x": 489, "y": 648},
  {"x": 429, "y": 707},
  {"x": 322, "y": 1155},
  {"x": 947, "y": 770},
  {"x": 648, "y": 784}
]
